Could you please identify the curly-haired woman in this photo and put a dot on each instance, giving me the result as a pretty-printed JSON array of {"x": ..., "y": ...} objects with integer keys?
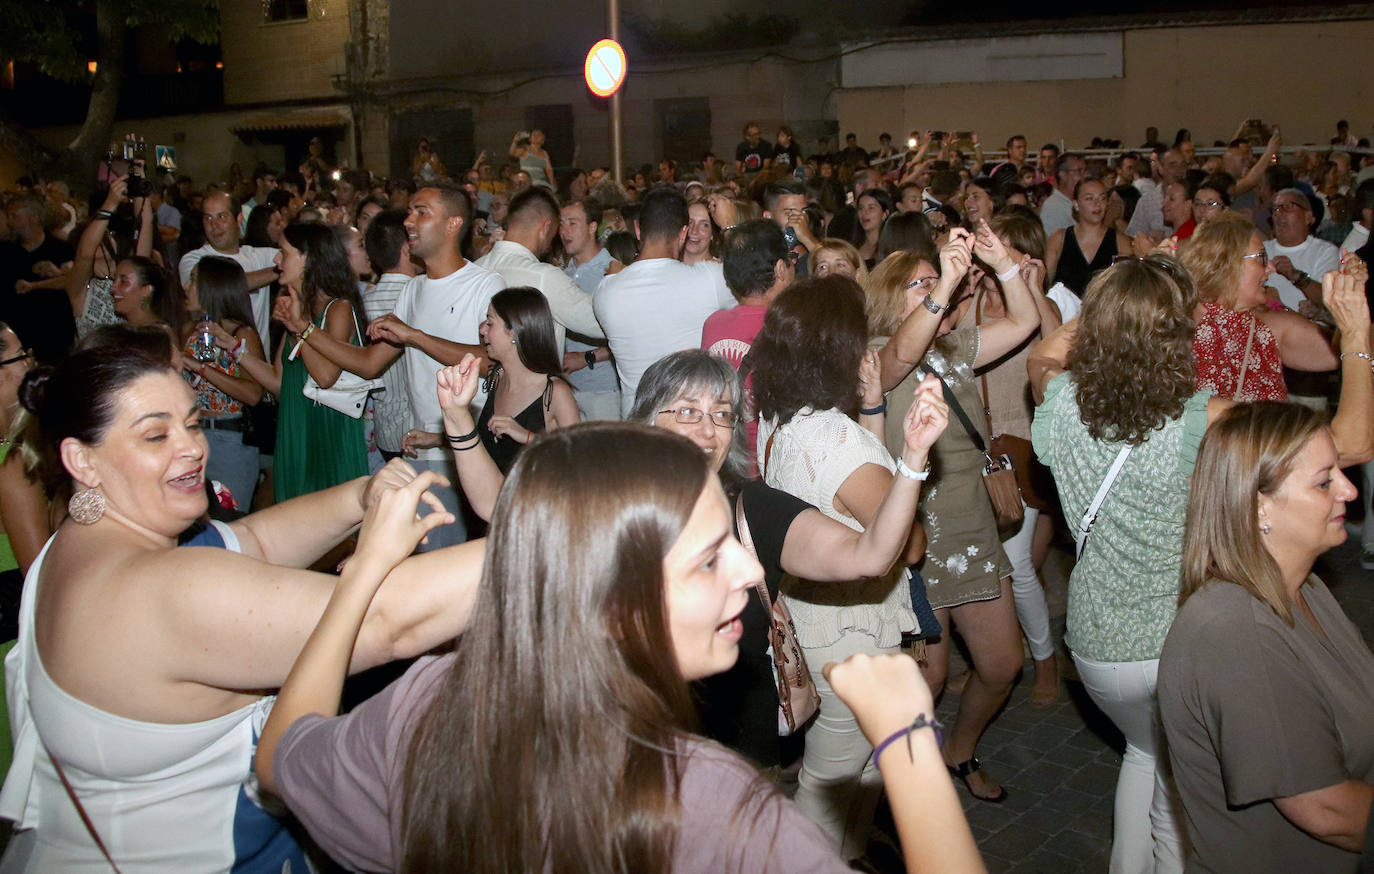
[{"x": 1130, "y": 382}]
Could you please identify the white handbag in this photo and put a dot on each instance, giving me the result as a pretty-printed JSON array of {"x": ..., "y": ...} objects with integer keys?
[{"x": 349, "y": 392}]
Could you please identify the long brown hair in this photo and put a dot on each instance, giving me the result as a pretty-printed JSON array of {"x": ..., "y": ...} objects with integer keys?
[
  {"x": 550, "y": 746},
  {"x": 1249, "y": 451},
  {"x": 1132, "y": 356}
]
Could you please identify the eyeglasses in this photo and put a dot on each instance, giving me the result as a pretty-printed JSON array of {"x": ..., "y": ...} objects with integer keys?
[
  {"x": 1261, "y": 255},
  {"x": 925, "y": 284},
  {"x": 1290, "y": 206},
  {"x": 26, "y": 353},
  {"x": 691, "y": 416},
  {"x": 1206, "y": 204}
]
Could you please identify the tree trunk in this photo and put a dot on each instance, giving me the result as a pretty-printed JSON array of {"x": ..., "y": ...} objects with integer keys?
[{"x": 78, "y": 162}]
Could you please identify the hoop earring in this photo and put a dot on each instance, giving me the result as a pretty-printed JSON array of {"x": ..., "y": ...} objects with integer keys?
[{"x": 86, "y": 506}]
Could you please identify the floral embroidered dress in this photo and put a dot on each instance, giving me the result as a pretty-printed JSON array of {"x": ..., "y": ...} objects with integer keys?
[
  {"x": 965, "y": 561},
  {"x": 1220, "y": 344}
]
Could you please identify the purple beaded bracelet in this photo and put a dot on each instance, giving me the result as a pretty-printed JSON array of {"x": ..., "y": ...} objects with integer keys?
[{"x": 920, "y": 722}]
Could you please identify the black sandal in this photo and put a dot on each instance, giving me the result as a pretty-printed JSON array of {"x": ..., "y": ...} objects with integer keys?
[{"x": 964, "y": 769}]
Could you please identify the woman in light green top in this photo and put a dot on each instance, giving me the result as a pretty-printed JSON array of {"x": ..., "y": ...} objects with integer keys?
[
  {"x": 24, "y": 520},
  {"x": 1131, "y": 381}
]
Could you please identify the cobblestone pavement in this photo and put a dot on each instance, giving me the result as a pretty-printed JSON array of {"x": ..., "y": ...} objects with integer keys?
[{"x": 1059, "y": 764}]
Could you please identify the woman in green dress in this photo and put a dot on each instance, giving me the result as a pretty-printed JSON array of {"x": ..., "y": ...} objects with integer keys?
[{"x": 317, "y": 447}]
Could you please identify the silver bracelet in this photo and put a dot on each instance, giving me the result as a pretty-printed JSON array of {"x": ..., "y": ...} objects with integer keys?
[
  {"x": 904, "y": 470},
  {"x": 1365, "y": 355},
  {"x": 934, "y": 307}
]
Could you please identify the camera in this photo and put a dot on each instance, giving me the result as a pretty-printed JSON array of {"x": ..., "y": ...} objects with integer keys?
[{"x": 134, "y": 154}]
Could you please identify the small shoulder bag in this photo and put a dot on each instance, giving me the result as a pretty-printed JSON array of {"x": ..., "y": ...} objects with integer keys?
[
  {"x": 349, "y": 392},
  {"x": 999, "y": 475}
]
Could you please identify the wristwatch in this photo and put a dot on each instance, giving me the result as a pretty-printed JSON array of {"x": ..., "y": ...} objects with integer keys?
[{"x": 590, "y": 357}]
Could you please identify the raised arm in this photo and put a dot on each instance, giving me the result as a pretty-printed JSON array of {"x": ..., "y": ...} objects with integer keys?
[
  {"x": 998, "y": 337},
  {"x": 1352, "y": 427},
  {"x": 1049, "y": 358},
  {"x": 820, "y": 548},
  {"x": 896, "y": 714},
  {"x": 244, "y": 344},
  {"x": 83, "y": 265},
  {"x": 147, "y": 229},
  {"x": 1253, "y": 176},
  {"x": 391, "y": 529},
  {"x": 477, "y": 473},
  {"x": 913, "y": 337}
]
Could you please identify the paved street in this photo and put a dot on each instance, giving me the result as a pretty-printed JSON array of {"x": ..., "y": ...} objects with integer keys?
[{"x": 1059, "y": 764}]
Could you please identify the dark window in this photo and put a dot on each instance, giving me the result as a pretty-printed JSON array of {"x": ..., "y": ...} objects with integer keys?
[
  {"x": 287, "y": 10},
  {"x": 449, "y": 132},
  {"x": 682, "y": 128}
]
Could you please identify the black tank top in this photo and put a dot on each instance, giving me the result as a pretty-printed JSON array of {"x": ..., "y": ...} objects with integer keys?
[
  {"x": 503, "y": 449},
  {"x": 1074, "y": 270}
]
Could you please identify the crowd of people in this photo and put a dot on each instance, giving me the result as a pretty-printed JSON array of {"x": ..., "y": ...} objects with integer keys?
[{"x": 629, "y": 481}]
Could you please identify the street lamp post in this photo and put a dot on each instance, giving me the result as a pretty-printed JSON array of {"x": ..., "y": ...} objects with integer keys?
[{"x": 617, "y": 128}]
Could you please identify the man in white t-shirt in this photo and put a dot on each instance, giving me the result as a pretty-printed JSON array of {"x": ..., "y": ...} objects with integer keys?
[
  {"x": 450, "y": 301},
  {"x": 1149, "y": 211},
  {"x": 1056, "y": 213},
  {"x": 1299, "y": 259},
  {"x": 657, "y": 305},
  {"x": 531, "y": 226},
  {"x": 222, "y": 240}
]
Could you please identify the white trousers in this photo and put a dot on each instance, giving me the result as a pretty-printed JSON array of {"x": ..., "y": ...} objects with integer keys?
[
  {"x": 838, "y": 787},
  {"x": 1145, "y": 833},
  {"x": 1031, "y": 609}
]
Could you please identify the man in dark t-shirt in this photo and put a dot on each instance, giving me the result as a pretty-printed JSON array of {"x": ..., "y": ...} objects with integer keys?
[
  {"x": 752, "y": 155},
  {"x": 42, "y": 318}
]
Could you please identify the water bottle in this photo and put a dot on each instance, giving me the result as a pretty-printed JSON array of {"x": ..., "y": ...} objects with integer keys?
[{"x": 204, "y": 346}]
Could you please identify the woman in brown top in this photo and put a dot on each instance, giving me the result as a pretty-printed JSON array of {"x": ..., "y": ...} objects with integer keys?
[{"x": 1266, "y": 689}]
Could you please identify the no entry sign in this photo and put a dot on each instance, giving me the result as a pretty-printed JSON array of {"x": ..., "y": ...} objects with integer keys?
[{"x": 605, "y": 68}]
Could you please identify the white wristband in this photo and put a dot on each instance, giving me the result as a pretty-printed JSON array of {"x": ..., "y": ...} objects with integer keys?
[
  {"x": 1011, "y": 271},
  {"x": 907, "y": 472}
]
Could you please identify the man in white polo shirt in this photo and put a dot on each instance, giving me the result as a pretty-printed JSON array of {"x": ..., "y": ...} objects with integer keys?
[
  {"x": 657, "y": 305},
  {"x": 222, "y": 239}
]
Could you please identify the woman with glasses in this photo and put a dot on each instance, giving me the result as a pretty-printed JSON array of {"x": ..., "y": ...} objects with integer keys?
[
  {"x": 1241, "y": 344},
  {"x": 966, "y": 571},
  {"x": 25, "y": 522},
  {"x": 1211, "y": 198},
  {"x": 1075, "y": 254},
  {"x": 697, "y": 395}
]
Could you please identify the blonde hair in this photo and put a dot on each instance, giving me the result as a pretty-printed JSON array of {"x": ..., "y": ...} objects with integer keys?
[
  {"x": 845, "y": 250},
  {"x": 885, "y": 291},
  {"x": 1214, "y": 255},
  {"x": 1249, "y": 451}
]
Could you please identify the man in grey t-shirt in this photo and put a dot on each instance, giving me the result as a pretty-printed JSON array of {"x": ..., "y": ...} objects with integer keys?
[{"x": 588, "y": 364}]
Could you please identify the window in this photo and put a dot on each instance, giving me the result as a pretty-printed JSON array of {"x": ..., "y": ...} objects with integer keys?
[
  {"x": 286, "y": 10},
  {"x": 682, "y": 128}
]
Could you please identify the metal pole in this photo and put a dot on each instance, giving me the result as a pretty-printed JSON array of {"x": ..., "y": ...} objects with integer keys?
[{"x": 617, "y": 127}]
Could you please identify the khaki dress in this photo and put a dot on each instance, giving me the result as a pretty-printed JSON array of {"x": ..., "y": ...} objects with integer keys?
[{"x": 964, "y": 559}]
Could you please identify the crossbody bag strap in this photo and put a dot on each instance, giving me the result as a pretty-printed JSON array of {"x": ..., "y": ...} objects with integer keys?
[
  {"x": 982, "y": 377},
  {"x": 81, "y": 811},
  {"x": 959, "y": 413},
  {"x": 1245, "y": 362},
  {"x": 746, "y": 540},
  {"x": 1085, "y": 524}
]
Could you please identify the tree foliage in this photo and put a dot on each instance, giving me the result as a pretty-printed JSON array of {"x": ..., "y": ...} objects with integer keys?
[{"x": 59, "y": 36}]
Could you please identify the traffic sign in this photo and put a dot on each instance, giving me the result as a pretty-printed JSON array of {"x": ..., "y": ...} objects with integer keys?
[{"x": 605, "y": 68}]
